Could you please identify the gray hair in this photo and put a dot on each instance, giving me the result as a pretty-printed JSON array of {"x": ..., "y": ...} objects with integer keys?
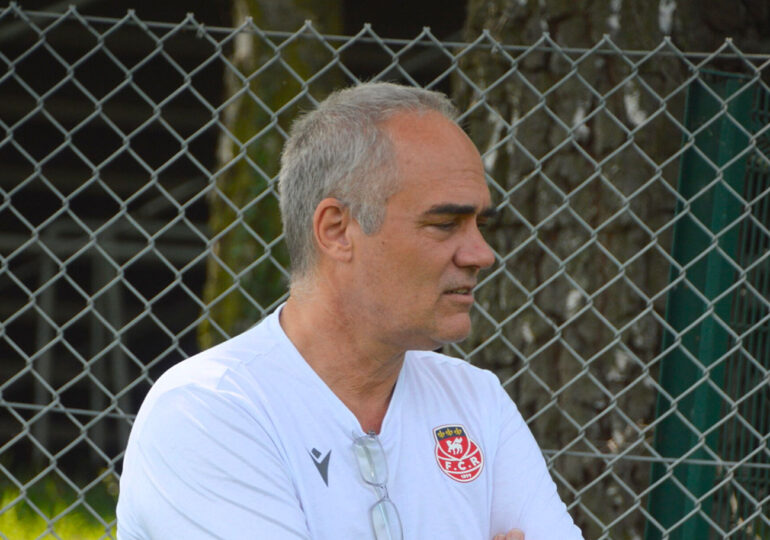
[{"x": 341, "y": 150}]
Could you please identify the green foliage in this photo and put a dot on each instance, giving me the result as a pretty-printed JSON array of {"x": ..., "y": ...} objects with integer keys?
[{"x": 51, "y": 509}]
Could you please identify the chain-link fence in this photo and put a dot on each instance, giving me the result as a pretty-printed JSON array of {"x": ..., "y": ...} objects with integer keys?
[{"x": 627, "y": 314}]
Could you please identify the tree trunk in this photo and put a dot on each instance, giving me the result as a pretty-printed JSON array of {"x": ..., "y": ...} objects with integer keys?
[
  {"x": 583, "y": 151},
  {"x": 246, "y": 273}
]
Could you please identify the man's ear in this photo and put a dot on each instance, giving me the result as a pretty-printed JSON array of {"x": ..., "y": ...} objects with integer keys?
[{"x": 331, "y": 228}]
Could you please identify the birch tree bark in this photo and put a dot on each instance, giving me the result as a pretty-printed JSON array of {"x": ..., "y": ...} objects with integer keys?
[{"x": 583, "y": 151}]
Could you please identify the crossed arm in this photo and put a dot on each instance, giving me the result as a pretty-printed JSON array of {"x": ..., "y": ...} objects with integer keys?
[
  {"x": 524, "y": 494},
  {"x": 515, "y": 534}
]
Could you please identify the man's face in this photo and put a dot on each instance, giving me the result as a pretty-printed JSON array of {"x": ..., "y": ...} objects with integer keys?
[{"x": 413, "y": 279}]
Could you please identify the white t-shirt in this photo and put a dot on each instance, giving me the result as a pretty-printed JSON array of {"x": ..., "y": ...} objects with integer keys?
[{"x": 244, "y": 440}]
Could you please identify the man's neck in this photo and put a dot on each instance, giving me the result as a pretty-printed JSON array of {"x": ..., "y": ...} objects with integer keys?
[{"x": 361, "y": 372}]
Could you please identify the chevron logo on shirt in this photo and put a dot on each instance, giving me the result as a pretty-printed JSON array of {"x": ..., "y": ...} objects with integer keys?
[{"x": 321, "y": 463}]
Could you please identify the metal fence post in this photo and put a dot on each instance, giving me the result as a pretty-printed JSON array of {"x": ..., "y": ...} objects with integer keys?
[{"x": 699, "y": 305}]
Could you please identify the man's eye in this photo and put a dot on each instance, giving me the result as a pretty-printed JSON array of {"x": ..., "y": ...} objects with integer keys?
[{"x": 445, "y": 225}]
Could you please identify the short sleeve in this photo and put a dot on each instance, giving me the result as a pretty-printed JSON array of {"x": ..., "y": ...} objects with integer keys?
[
  {"x": 202, "y": 465},
  {"x": 524, "y": 494}
]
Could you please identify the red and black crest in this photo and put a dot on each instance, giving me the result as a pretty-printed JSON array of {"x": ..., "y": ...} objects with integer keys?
[{"x": 457, "y": 455}]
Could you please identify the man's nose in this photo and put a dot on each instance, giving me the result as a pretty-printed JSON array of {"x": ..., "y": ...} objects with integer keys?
[{"x": 475, "y": 251}]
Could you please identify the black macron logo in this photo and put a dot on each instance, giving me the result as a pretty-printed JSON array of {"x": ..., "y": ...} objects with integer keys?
[{"x": 321, "y": 463}]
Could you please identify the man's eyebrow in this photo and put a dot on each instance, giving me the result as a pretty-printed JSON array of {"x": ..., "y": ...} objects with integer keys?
[
  {"x": 461, "y": 210},
  {"x": 490, "y": 212}
]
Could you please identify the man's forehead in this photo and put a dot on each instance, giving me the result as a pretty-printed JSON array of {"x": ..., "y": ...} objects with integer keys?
[
  {"x": 439, "y": 169},
  {"x": 412, "y": 128}
]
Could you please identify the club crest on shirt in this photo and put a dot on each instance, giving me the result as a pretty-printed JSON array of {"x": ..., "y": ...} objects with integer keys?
[{"x": 458, "y": 456}]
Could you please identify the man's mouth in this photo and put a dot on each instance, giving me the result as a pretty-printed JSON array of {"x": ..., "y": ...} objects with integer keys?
[{"x": 460, "y": 290}]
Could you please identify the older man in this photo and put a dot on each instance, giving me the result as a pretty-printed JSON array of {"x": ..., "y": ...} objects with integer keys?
[{"x": 332, "y": 418}]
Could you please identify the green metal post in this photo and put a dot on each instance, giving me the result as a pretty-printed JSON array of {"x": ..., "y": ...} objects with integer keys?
[{"x": 698, "y": 307}]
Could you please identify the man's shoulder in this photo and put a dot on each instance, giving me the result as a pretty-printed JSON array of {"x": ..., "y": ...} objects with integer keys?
[
  {"x": 437, "y": 365},
  {"x": 225, "y": 369},
  {"x": 208, "y": 366},
  {"x": 452, "y": 391}
]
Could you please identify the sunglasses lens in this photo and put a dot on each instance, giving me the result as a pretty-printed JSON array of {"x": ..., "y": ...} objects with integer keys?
[
  {"x": 371, "y": 460},
  {"x": 385, "y": 520}
]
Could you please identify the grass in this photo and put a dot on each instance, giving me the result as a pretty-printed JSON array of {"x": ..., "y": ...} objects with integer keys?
[{"x": 52, "y": 510}]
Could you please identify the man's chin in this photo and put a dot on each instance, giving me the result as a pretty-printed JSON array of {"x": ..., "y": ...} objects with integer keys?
[
  {"x": 456, "y": 332},
  {"x": 436, "y": 342}
]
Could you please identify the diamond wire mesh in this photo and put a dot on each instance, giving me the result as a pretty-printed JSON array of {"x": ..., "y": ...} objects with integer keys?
[{"x": 121, "y": 140}]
